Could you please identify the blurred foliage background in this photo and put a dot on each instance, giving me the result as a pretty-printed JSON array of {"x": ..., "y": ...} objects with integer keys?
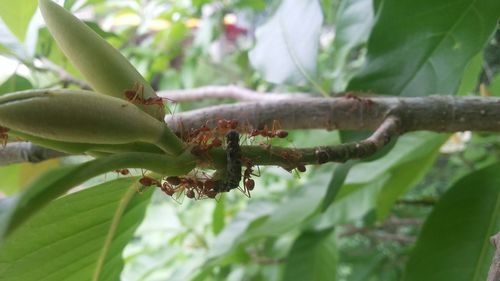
[{"x": 285, "y": 231}]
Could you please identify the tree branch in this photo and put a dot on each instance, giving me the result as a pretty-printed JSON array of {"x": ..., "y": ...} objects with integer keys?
[
  {"x": 20, "y": 152},
  {"x": 387, "y": 116},
  {"x": 432, "y": 113},
  {"x": 494, "y": 273}
]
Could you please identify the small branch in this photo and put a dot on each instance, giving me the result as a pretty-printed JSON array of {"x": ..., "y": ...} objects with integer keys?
[
  {"x": 380, "y": 232},
  {"x": 426, "y": 202},
  {"x": 494, "y": 273},
  {"x": 377, "y": 234},
  {"x": 63, "y": 75},
  {"x": 21, "y": 152},
  {"x": 341, "y": 153},
  {"x": 225, "y": 92}
]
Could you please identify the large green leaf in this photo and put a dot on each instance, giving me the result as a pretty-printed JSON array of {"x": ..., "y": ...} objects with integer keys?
[
  {"x": 299, "y": 206},
  {"x": 378, "y": 184},
  {"x": 17, "y": 15},
  {"x": 353, "y": 24},
  {"x": 454, "y": 243},
  {"x": 287, "y": 45},
  {"x": 48, "y": 187},
  {"x": 233, "y": 231},
  {"x": 266, "y": 219},
  {"x": 77, "y": 237},
  {"x": 422, "y": 47},
  {"x": 313, "y": 257}
]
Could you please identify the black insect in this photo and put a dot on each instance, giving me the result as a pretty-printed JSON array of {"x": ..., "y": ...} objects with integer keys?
[{"x": 233, "y": 168}]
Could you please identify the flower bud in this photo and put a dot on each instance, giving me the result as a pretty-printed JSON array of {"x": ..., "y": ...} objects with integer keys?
[
  {"x": 104, "y": 68},
  {"x": 78, "y": 116}
]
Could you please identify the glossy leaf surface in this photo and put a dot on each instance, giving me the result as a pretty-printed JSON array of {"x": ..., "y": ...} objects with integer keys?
[
  {"x": 454, "y": 243},
  {"x": 422, "y": 47},
  {"x": 77, "y": 237}
]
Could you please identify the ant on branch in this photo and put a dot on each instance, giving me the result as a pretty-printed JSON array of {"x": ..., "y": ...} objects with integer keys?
[
  {"x": 274, "y": 132},
  {"x": 248, "y": 182},
  {"x": 136, "y": 96},
  {"x": 4, "y": 136}
]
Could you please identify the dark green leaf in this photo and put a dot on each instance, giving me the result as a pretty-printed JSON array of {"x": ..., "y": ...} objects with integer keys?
[
  {"x": 313, "y": 257},
  {"x": 454, "y": 243},
  {"x": 15, "y": 83},
  {"x": 287, "y": 46},
  {"x": 422, "y": 47},
  {"x": 77, "y": 237}
]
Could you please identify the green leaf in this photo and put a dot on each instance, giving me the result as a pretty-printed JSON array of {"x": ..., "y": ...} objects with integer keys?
[
  {"x": 233, "y": 231},
  {"x": 17, "y": 15},
  {"x": 56, "y": 182},
  {"x": 338, "y": 178},
  {"x": 218, "y": 215},
  {"x": 300, "y": 205},
  {"x": 407, "y": 174},
  {"x": 378, "y": 184},
  {"x": 313, "y": 257},
  {"x": 471, "y": 75},
  {"x": 495, "y": 86},
  {"x": 353, "y": 25},
  {"x": 15, "y": 83},
  {"x": 78, "y": 237},
  {"x": 287, "y": 45},
  {"x": 454, "y": 242},
  {"x": 422, "y": 47}
]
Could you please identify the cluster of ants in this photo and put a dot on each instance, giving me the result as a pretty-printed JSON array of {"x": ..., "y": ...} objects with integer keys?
[{"x": 204, "y": 139}]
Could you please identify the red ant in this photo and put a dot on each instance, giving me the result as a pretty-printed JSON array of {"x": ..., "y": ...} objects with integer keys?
[
  {"x": 223, "y": 126},
  {"x": 147, "y": 182},
  {"x": 136, "y": 95},
  {"x": 4, "y": 136},
  {"x": 365, "y": 101},
  {"x": 248, "y": 182},
  {"x": 122, "y": 172},
  {"x": 274, "y": 132}
]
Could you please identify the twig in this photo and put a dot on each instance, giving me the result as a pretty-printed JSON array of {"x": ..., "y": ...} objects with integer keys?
[
  {"x": 225, "y": 92},
  {"x": 494, "y": 273},
  {"x": 377, "y": 234},
  {"x": 20, "y": 152},
  {"x": 427, "y": 202},
  {"x": 63, "y": 75}
]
